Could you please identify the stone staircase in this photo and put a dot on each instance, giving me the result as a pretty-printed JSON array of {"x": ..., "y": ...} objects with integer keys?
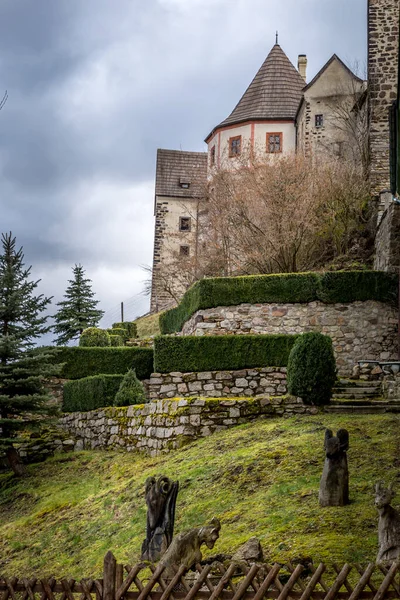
[{"x": 357, "y": 396}]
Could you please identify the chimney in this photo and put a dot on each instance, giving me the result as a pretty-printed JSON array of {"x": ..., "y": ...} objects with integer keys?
[{"x": 302, "y": 66}]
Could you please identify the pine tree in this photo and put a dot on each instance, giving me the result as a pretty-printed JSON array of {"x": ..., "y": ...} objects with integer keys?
[
  {"x": 78, "y": 311},
  {"x": 23, "y": 367}
]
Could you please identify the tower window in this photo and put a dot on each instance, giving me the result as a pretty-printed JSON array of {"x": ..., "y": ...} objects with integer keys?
[
  {"x": 274, "y": 142},
  {"x": 212, "y": 156},
  {"x": 235, "y": 145},
  {"x": 184, "y": 251},
  {"x": 184, "y": 224},
  {"x": 319, "y": 120}
]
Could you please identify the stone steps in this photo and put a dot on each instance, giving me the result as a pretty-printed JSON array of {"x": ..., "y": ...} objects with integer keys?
[
  {"x": 367, "y": 409},
  {"x": 356, "y": 393}
]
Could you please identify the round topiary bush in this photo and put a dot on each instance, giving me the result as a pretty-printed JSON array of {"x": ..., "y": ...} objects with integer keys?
[
  {"x": 311, "y": 371},
  {"x": 131, "y": 391},
  {"x": 92, "y": 336}
]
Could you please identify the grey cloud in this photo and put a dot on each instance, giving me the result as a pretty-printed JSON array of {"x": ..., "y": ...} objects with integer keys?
[{"x": 95, "y": 87}]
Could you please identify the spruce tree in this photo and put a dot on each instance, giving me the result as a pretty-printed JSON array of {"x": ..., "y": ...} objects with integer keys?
[
  {"x": 78, "y": 311},
  {"x": 23, "y": 367}
]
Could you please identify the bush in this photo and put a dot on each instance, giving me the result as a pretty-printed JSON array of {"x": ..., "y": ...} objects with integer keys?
[
  {"x": 130, "y": 327},
  {"x": 131, "y": 391},
  {"x": 91, "y": 392},
  {"x": 340, "y": 286},
  {"x": 312, "y": 368},
  {"x": 116, "y": 340},
  {"x": 82, "y": 362},
  {"x": 219, "y": 353},
  {"x": 94, "y": 337}
]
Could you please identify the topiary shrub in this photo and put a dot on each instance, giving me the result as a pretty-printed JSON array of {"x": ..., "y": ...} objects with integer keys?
[
  {"x": 131, "y": 391},
  {"x": 129, "y": 326},
  {"x": 123, "y": 334},
  {"x": 116, "y": 340},
  {"x": 311, "y": 371},
  {"x": 94, "y": 337}
]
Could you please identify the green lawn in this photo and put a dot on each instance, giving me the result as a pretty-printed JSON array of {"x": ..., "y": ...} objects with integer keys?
[{"x": 260, "y": 479}]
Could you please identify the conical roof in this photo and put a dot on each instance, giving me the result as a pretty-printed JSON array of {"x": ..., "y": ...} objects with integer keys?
[{"x": 274, "y": 93}]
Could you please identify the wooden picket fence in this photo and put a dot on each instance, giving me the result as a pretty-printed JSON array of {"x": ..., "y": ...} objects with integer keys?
[{"x": 234, "y": 582}]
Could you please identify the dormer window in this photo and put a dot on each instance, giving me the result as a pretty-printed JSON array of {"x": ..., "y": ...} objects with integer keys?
[
  {"x": 235, "y": 145},
  {"x": 184, "y": 183},
  {"x": 212, "y": 156}
]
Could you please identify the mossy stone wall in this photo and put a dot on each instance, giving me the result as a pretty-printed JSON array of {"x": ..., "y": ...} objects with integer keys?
[{"x": 168, "y": 424}]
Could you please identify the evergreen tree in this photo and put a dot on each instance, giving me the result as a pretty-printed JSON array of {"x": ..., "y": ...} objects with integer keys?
[
  {"x": 78, "y": 311},
  {"x": 23, "y": 367}
]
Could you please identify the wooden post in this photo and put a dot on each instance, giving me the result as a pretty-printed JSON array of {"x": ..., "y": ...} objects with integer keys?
[
  {"x": 119, "y": 577},
  {"x": 122, "y": 312},
  {"x": 109, "y": 573}
]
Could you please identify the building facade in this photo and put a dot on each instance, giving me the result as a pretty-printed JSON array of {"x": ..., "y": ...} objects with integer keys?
[{"x": 278, "y": 114}]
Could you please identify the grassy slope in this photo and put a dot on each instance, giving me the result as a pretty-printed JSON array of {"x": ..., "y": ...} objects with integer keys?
[
  {"x": 148, "y": 326},
  {"x": 261, "y": 479}
]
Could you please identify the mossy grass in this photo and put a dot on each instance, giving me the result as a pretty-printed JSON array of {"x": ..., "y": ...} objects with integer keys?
[{"x": 260, "y": 479}]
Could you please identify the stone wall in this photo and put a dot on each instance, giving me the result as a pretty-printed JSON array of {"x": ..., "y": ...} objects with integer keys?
[
  {"x": 167, "y": 424},
  {"x": 383, "y": 38},
  {"x": 216, "y": 384},
  {"x": 359, "y": 330},
  {"x": 387, "y": 241}
]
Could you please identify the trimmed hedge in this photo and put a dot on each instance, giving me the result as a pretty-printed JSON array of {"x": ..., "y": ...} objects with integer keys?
[
  {"x": 82, "y": 362},
  {"x": 91, "y": 392},
  {"x": 288, "y": 288},
  {"x": 350, "y": 286},
  {"x": 311, "y": 372},
  {"x": 222, "y": 352}
]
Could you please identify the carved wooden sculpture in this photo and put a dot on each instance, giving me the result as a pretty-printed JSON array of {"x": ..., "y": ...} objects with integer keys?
[
  {"x": 388, "y": 525},
  {"x": 185, "y": 548},
  {"x": 334, "y": 485},
  {"x": 161, "y": 496}
]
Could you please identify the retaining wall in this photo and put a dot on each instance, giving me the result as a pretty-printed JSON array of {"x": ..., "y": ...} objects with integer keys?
[
  {"x": 167, "y": 424},
  {"x": 216, "y": 384},
  {"x": 359, "y": 330}
]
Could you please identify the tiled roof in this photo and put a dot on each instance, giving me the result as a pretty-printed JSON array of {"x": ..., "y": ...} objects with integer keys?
[
  {"x": 181, "y": 174},
  {"x": 274, "y": 93}
]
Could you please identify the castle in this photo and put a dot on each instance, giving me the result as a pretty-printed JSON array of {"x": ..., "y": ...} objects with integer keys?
[{"x": 279, "y": 113}]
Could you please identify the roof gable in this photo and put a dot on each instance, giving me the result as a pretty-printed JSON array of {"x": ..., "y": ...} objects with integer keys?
[
  {"x": 334, "y": 58},
  {"x": 274, "y": 93}
]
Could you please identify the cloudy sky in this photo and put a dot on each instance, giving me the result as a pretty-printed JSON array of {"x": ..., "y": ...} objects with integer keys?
[{"x": 96, "y": 86}]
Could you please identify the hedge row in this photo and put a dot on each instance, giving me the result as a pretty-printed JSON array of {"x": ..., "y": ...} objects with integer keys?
[
  {"x": 330, "y": 287},
  {"x": 220, "y": 353},
  {"x": 90, "y": 392},
  {"x": 81, "y": 362}
]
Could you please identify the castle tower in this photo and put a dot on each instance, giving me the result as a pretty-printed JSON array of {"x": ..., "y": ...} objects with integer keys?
[
  {"x": 383, "y": 49},
  {"x": 263, "y": 121}
]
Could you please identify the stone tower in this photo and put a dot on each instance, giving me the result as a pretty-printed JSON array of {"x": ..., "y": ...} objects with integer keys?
[{"x": 383, "y": 49}]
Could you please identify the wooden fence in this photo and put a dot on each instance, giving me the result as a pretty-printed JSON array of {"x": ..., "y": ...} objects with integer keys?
[{"x": 234, "y": 582}]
